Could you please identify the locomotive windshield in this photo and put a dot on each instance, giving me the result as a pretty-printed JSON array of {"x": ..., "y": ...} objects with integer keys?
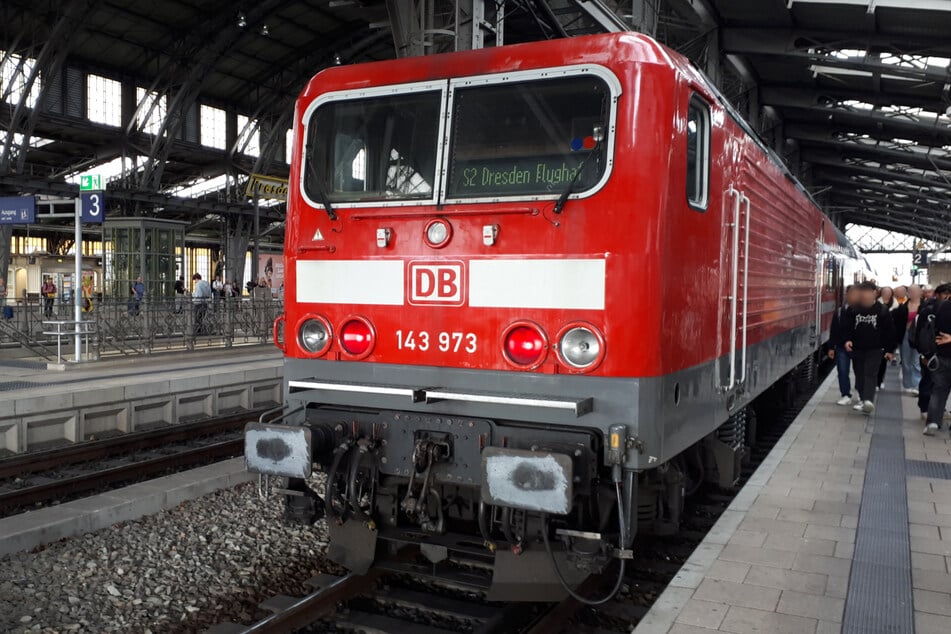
[
  {"x": 532, "y": 137},
  {"x": 536, "y": 137},
  {"x": 371, "y": 149}
]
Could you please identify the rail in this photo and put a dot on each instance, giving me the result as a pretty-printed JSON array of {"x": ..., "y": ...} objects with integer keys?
[{"x": 94, "y": 480}]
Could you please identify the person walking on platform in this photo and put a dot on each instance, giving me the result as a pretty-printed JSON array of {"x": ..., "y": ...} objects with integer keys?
[
  {"x": 48, "y": 291},
  {"x": 928, "y": 307},
  {"x": 933, "y": 342},
  {"x": 138, "y": 293},
  {"x": 200, "y": 297},
  {"x": 886, "y": 297},
  {"x": 837, "y": 351},
  {"x": 904, "y": 321},
  {"x": 869, "y": 334}
]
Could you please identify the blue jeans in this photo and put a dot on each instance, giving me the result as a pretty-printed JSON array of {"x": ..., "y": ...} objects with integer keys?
[
  {"x": 910, "y": 367},
  {"x": 843, "y": 362}
]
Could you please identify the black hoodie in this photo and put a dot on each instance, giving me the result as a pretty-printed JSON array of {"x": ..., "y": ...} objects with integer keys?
[{"x": 870, "y": 328}]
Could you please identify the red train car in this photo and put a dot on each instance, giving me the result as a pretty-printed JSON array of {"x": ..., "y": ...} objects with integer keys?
[{"x": 531, "y": 291}]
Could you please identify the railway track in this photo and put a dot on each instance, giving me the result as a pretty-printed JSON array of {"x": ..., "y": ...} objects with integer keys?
[{"x": 39, "y": 478}]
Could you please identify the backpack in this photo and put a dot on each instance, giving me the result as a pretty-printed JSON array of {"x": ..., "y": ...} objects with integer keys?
[{"x": 923, "y": 336}]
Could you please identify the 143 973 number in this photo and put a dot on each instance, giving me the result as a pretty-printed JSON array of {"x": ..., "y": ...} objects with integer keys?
[{"x": 423, "y": 341}]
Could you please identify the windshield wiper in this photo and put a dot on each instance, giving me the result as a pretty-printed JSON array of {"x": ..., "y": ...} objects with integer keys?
[
  {"x": 560, "y": 203},
  {"x": 598, "y": 135},
  {"x": 321, "y": 194}
]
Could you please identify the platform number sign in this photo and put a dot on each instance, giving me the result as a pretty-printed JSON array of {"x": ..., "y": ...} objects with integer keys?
[
  {"x": 919, "y": 259},
  {"x": 93, "y": 206}
]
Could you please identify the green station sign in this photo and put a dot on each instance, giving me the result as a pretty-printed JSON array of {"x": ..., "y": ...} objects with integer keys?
[{"x": 90, "y": 182}]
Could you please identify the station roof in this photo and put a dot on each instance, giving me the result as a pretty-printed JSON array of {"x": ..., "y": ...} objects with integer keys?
[{"x": 859, "y": 87}]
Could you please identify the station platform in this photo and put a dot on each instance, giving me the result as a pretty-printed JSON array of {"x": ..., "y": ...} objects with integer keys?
[
  {"x": 42, "y": 408},
  {"x": 845, "y": 527}
]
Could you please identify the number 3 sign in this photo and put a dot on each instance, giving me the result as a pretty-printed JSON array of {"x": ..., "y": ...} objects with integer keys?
[{"x": 93, "y": 206}]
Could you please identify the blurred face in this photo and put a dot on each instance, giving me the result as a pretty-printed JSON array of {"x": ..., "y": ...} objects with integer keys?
[
  {"x": 887, "y": 295},
  {"x": 852, "y": 296},
  {"x": 867, "y": 298},
  {"x": 901, "y": 292},
  {"x": 914, "y": 292}
]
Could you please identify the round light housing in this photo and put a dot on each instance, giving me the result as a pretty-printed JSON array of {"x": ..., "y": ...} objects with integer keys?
[
  {"x": 524, "y": 345},
  {"x": 438, "y": 232},
  {"x": 314, "y": 335},
  {"x": 580, "y": 347},
  {"x": 357, "y": 337}
]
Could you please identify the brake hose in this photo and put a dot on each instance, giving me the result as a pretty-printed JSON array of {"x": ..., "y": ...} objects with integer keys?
[{"x": 620, "y": 575}]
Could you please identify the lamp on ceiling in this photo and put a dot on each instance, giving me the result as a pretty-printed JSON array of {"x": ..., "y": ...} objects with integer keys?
[
  {"x": 242, "y": 20},
  {"x": 265, "y": 31}
]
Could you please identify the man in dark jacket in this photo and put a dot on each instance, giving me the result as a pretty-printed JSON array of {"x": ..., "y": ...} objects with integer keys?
[
  {"x": 941, "y": 293},
  {"x": 843, "y": 360},
  {"x": 869, "y": 333},
  {"x": 939, "y": 365}
]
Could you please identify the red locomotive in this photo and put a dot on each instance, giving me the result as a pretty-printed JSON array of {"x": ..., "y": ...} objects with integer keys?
[{"x": 531, "y": 292}]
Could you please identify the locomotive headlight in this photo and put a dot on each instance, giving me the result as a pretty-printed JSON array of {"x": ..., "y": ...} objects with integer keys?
[
  {"x": 580, "y": 347},
  {"x": 438, "y": 233},
  {"x": 314, "y": 335}
]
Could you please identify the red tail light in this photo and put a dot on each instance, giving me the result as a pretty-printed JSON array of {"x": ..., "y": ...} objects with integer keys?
[
  {"x": 525, "y": 345},
  {"x": 357, "y": 337}
]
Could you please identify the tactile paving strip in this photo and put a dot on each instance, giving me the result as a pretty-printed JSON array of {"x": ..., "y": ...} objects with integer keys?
[
  {"x": 880, "y": 597},
  {"x": 9, "y": 386},
  {"x": 928, "y": 469}
]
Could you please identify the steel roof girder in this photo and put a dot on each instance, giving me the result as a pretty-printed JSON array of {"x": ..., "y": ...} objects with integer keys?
[{"x": 834, "y": 161}]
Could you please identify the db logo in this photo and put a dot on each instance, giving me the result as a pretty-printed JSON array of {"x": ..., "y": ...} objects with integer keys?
[{"x": 437, "y": 283}]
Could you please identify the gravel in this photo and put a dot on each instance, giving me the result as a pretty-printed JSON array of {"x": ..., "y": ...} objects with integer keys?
[{"x": 209, "y": 560}]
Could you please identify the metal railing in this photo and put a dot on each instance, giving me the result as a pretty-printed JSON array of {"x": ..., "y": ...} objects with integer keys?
[
  {"x": 68, "y": 330},
  {"x": 134, "y": 328}
]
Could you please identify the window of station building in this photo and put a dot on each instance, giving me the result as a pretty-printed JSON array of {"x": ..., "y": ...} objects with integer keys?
[
  {"x": 213, "y": 127},
  {"x": 15, "y": 72},
  {"x": 698, "y": 153},
  {"x": 152, "y": 110},
  {"x": 249, "y": 136},
  {"x": 103, "y": 100}
]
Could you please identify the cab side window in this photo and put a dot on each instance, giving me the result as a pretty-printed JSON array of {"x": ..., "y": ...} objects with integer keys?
[{"x": 698, "y": 153}]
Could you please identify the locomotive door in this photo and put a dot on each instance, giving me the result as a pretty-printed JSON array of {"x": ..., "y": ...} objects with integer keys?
[{"x": 734, "y": 289}]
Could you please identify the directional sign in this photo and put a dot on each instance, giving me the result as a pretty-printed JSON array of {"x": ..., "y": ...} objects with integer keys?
[
  {"x": 18, "y": 210},
  {"x": 93, "y": 206},
  {"x": 90, "y": 182}
]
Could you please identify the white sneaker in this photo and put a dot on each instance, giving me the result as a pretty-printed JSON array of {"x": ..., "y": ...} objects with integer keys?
[
  {"x": 858, "y": 406},
  {"x": 868, "y": 407},
  {"x": 911, "y": 391},
  {"x": 930, "y": 429},
  {"x": 845, "y": 400}
]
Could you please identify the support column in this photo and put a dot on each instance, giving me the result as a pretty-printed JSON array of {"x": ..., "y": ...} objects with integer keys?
[{"x": 6, "y": 236}]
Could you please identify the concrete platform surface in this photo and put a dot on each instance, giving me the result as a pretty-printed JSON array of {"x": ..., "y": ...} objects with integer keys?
[
  {"x": 845, "y": 527},
  {"x": 40, "y": 408},
  {"x": 35, "y": 528}
]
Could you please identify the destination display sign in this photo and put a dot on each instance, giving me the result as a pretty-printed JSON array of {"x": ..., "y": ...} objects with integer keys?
[
  {"x": 17, "y": 210},
  {"x": 521, "y": 176}
]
